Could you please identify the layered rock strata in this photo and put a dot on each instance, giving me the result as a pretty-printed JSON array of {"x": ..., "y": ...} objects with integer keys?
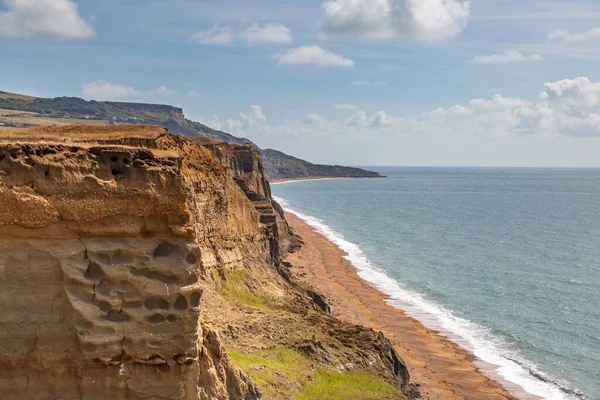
[
  {"x": 108, "y": 239},
  {"x": 103, "y": 240}
]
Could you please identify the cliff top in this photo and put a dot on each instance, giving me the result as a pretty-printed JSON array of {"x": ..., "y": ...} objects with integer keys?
[{"x": 82, "y": 133}]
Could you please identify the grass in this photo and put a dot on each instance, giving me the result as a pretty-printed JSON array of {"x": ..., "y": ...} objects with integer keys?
[
  {"x": 330, "y": 385},
  {"x": 244, "y": 298},
  {"x": 234, "y": 288},
  {"x": 87, "y": 132},
  {"x": 6, "y": 95},
  {"x": 280, "y": 373},
  {"x": 283, "y": 373},
  {"x": 4, "y": 113}
]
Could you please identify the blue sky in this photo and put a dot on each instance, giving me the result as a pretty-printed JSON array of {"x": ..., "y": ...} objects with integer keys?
[{"x": 362, "y": 82}]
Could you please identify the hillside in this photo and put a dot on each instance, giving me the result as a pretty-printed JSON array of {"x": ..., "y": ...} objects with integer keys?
[
  {"x": 283, "y": 166},
  {"x": 19, "y": 111}
]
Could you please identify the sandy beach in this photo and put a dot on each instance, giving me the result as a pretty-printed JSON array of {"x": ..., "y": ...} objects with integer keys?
[
  {"x": 305, "y": 178},
  {"x": 441, "y": 368}
]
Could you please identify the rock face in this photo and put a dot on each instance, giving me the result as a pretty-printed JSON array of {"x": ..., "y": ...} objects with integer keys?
[
  {"x": 109, "y": 239},
  {"x": 103, "y": 239}
]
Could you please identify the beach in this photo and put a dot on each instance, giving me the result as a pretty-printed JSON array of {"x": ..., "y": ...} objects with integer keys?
[
  {"x": 441, "y": 368},
  {"x": 305, "y": 178}
]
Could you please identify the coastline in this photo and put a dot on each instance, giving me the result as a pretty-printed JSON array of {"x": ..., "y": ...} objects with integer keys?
[
  {"x": 304, "y": 178},
  {"x": 441, "y": 368}
]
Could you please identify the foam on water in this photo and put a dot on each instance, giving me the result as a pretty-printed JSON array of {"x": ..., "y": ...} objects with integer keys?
[{"x": 477, "y": 339}]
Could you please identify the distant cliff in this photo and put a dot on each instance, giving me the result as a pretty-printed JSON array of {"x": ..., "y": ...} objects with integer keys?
[
  {"x": 61, "y": 110},
  {"x": 279, "y": 165}
]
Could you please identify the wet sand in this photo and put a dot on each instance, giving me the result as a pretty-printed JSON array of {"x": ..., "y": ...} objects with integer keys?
[{"x": 441, "y": 368}]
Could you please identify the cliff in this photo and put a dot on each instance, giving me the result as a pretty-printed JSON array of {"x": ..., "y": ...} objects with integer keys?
[
  {"x": 68, "y": 110},
  {"x": 130, "y": 259},
  {"x": 282, "y": 166}
]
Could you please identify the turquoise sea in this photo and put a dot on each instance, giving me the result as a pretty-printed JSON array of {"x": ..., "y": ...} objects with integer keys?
[{"x": 506, "y": 262}]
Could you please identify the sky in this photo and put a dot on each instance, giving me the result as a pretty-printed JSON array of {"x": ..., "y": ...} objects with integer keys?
[{"x": 355, "y": 82}]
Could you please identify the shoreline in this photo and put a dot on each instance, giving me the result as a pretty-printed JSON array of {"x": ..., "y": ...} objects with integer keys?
[
  {"x": 304, "y": 178},
  {"x": 442, "y": 368},
  {"x": 320, "y": 178}
]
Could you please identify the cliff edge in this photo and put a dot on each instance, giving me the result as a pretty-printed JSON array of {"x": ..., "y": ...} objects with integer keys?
[{"x": 131, "y": 259}]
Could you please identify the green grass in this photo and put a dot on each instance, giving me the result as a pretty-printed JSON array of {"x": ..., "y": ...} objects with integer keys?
[
  {"x": 330, "y": 385},
  {"x": 244, "y": 298},
  {"x": 286, "y": 373},
  {"x": 234, "y": 288},
  {"x": 279, "y": 372}
]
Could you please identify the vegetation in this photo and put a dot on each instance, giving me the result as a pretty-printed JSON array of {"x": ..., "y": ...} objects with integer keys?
[
  {"x": 234, "y": 288},
  {"x": 330, "y": 385},
  {"x": 74, "y": 107},
  {"x": 282, "y": 372}
]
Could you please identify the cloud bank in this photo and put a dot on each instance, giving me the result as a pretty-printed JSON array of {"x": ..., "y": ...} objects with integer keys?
[
  {"x": 102, "y": 90},
  {"x": 57, "y": 18},
  {"x": 314, "y": 55},
  {"x": 573, "y": 37},
  {"x": 567, "y": 108},
  {"x": 510, "y": 56},
  {"x": 254, "y": 35},
  {"x": 423, "y": 19}
]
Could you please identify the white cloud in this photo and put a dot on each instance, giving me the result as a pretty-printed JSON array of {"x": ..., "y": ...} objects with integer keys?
[
  {"x": 379, "y": 119},
  {"x": 102, "y": 90},
  {"x": 569, "y": 107},
  {"x": 254, "y": 120},
  {"x": 510, "y": 56},
  {"x": 314, "y": 55},
  {"x": 217, "y": 35},
  {"x": 499, "y": 103},
  {"x": 59, "y": 18},
  {"x": 368, "y": 83},
  {"x": 274, "y": 33},
  {"x": 164, "y": 91},
  {"x": 254, "y": 35},
  {"x": 345, "y": 106},
  {"x": 536, "y": 57},
  {"x": 313, "y": 119},
  {"x": 193, "y": 93},
  {"x": 425, "y": 19},
  {"x": 358, "y": 119},
  {"x": 456, "y": 110},
  {"x": 564, "y": 35}
]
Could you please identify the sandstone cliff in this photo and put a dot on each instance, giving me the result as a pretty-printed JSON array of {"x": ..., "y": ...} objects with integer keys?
[{"x": 129, "y": 259}]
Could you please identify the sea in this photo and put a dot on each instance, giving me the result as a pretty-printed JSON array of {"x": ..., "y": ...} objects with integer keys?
[{"x": 503, "y": 261}]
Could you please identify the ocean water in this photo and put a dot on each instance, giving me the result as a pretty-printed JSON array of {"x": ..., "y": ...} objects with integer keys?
[{"x": 506, "y": 262}]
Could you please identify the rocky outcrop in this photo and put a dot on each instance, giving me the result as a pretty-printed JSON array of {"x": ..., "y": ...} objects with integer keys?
[
  {"x": 110, "y": 240},
  {"x": 245, "y": 165},
  {"x": 102, "y": 248}
]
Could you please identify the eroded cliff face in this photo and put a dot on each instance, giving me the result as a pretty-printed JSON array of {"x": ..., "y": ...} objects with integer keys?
[
  {"x": 244, "y": 163},
  {"x": 102, "y": 247},
  {"x": 130, "y": 257}
]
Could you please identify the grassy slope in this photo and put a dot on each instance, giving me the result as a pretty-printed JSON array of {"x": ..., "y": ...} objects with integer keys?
[{"x": 269, "y": 332}]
